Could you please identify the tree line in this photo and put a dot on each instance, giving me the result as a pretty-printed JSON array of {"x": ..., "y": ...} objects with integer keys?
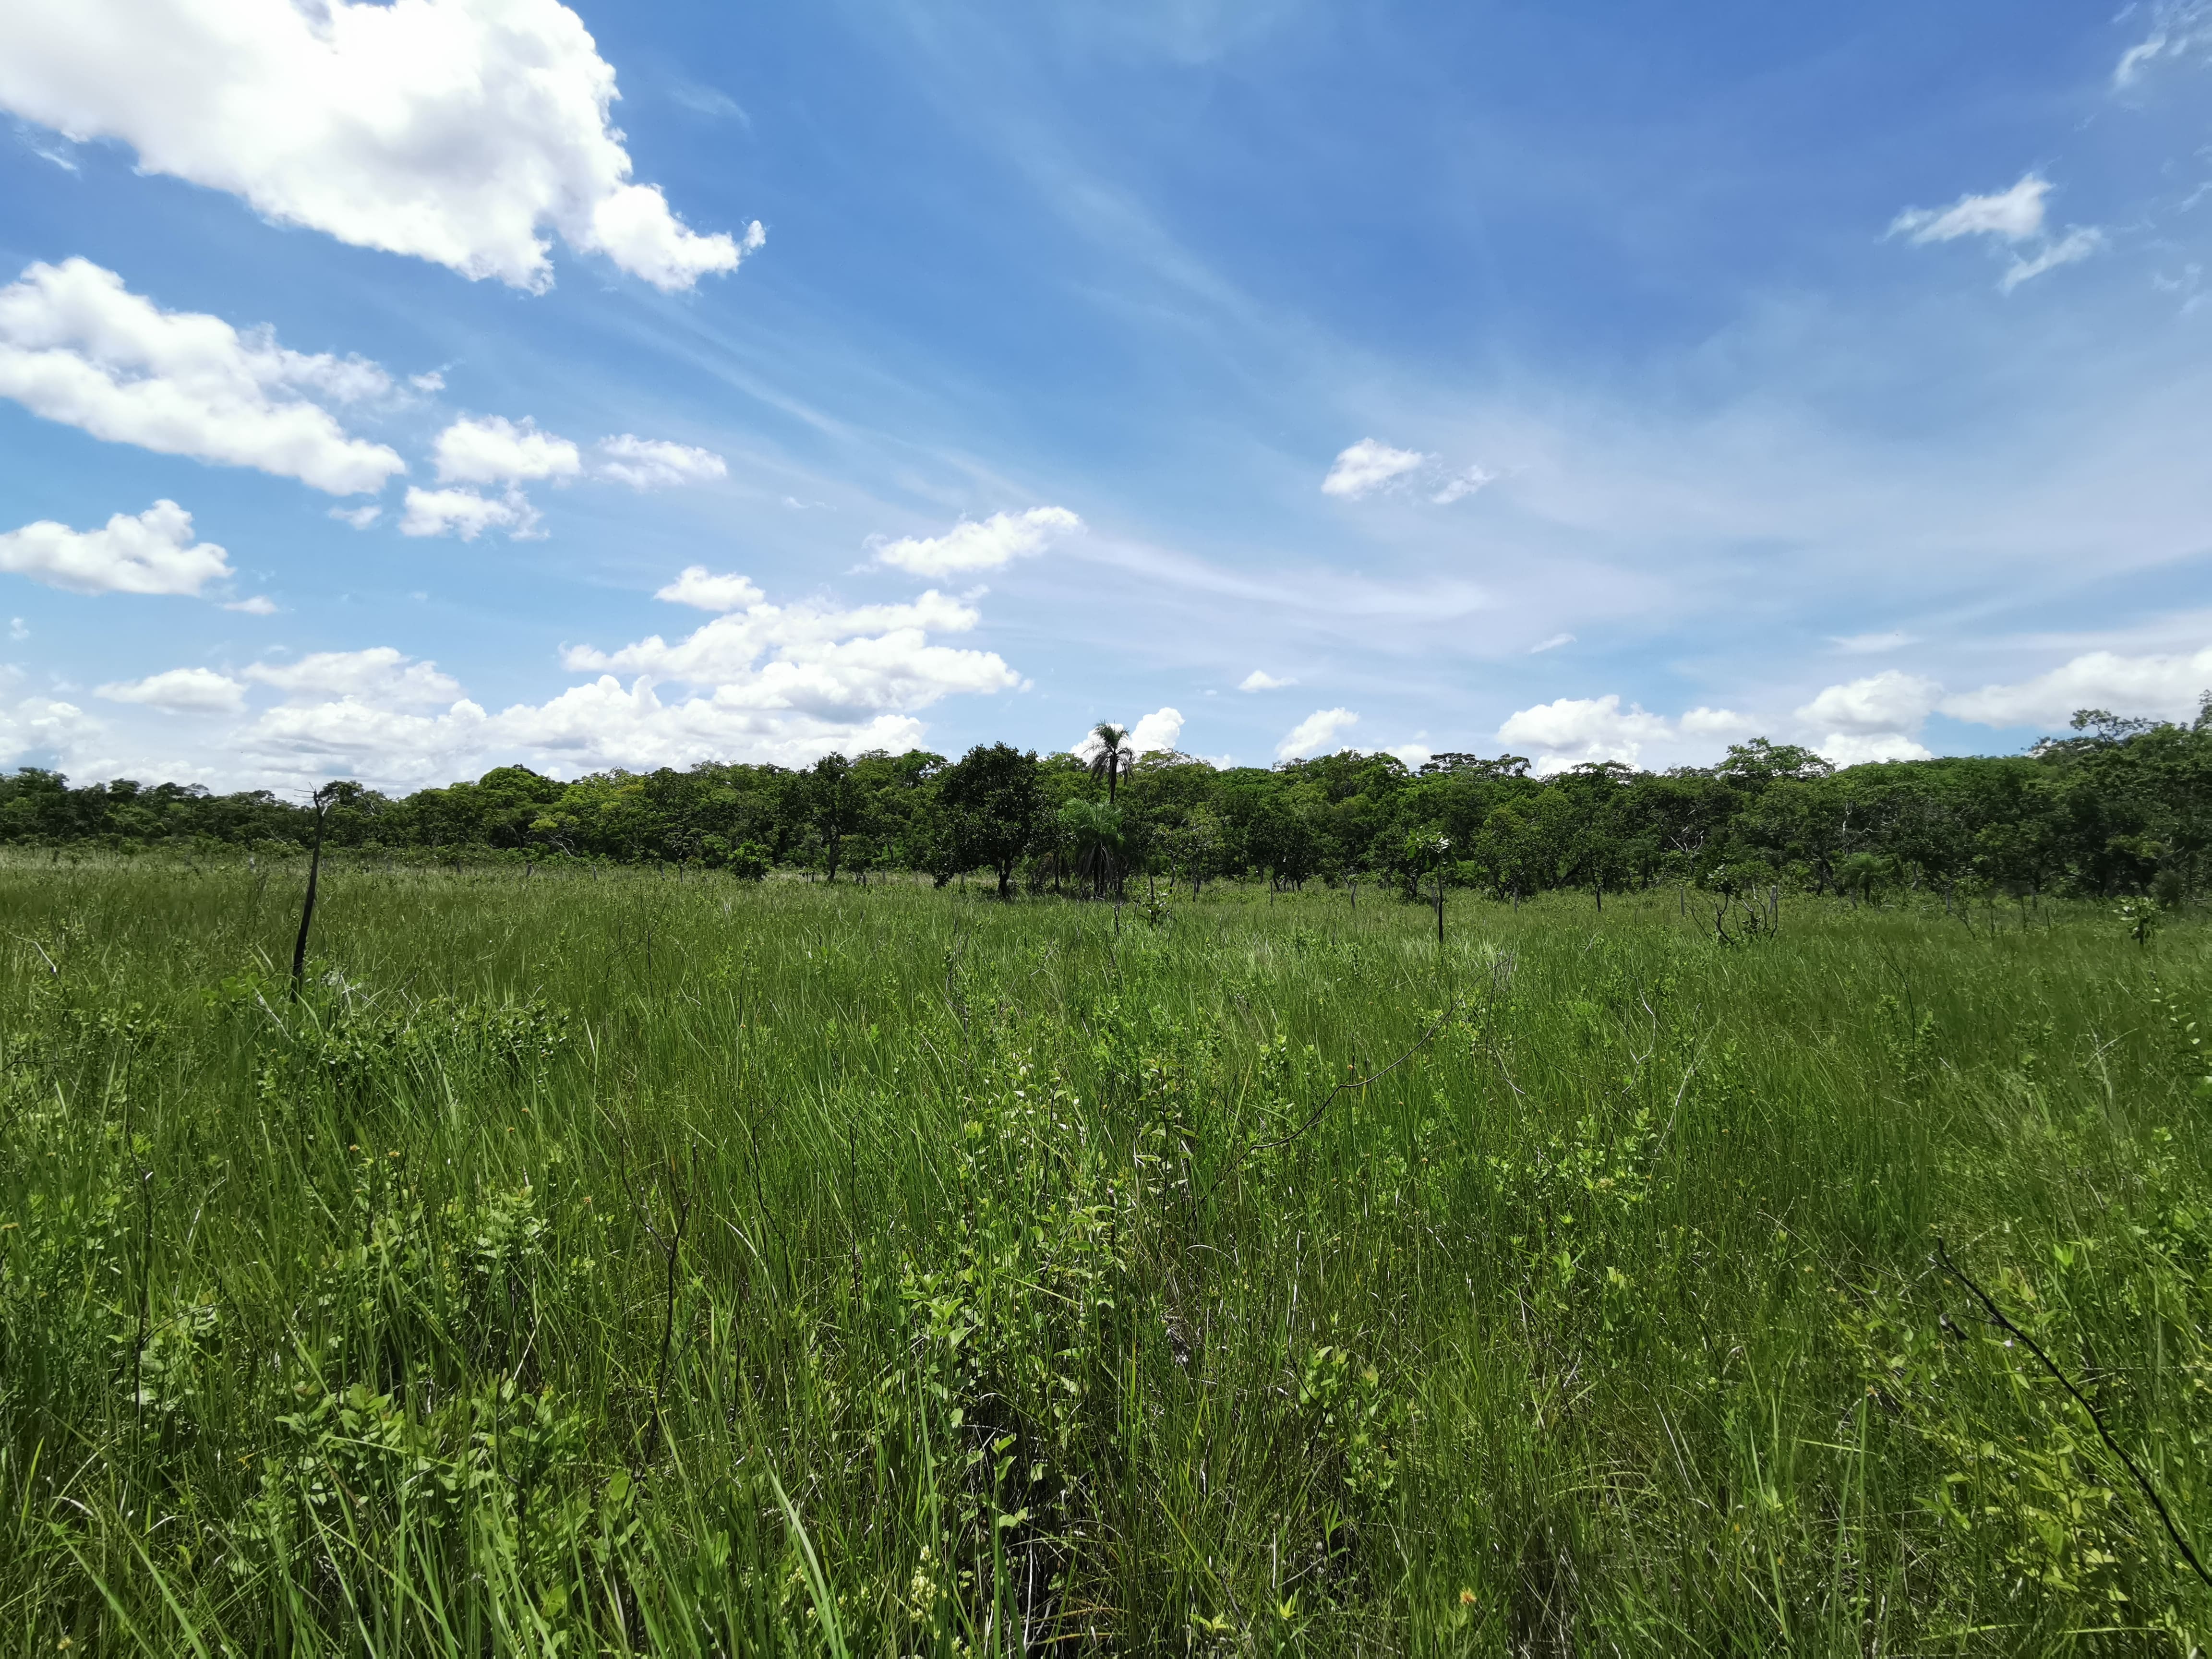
[{"x": 2116, "y": 806}]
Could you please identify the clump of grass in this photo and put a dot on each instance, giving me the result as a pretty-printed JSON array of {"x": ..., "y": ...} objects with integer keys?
[{"x": 876, "y": 1271}]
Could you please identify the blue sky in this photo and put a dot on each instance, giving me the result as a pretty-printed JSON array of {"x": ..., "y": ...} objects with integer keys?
[{"x": 1589, "y": 383}]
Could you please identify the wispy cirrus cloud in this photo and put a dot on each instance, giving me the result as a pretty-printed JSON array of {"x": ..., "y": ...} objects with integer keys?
[{"x": 2013, "y": 216}]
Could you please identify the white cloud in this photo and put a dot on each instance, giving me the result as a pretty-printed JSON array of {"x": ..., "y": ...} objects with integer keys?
[
  {"x": 787, "y": 684},
  {"x": 153, "y": 553},
  {"x": 358, "y": 517},
  {"x": 601, "y": 725},
  {"x": 1261, "y": 680},
  {"x": 1857, "y": 749},
  {"x": 429, "y": 380},
  {"x": 1158, "y": 730},
  {"x": 495, "y": 450},
  {"x": 1889, "y": 702},
  {"x": 2160, "y": 686},
  {"x": 57, "y": 154},
  {"x": 181, "y": 691},
  {"x": 2014, "y": 215},
  {"x": 1716, "y": 723},
  {"x": 1570, "y": 731},
  {"x": 1414, "y": 755},
  {"x": 984, "y": 544},
  {"x": 455, "y": 131},
  {"x": 1871, "y": 644},
  {"x": 654, "y": 463},
  {"x": 2077, "y": 244},
  {"x": 696, "y": 586},
  {"x": 1368, "y": 467},
  {"x": 18, "y": 630},
  {"x": 1157, "y": 733},
  {"x": 872, "y": 658},
  {"x": 1459, "y": 485},
  {"x": 465, "y": 514},
  {"x": 77, "y": 346},
  {"x": 259, "y": 605},
  {"x": 2179, "y": 29},
  {"x": 380, "y": 675},
  {"x": 1316, "y": 732},
  {"x": 44, "y": 728},
  {"x": 1553, "y": 644},
  {"x": 352, "y": 738}
]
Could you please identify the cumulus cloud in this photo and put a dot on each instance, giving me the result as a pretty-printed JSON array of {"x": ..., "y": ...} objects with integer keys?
[
  {"x": 353, "y": 738},
  {"x": 358, "y": 517},
  {"x": 380, "y": 675},
  {"x": 1157, "y": 733},
  {"x": 872, "y": 658},
  {"x": 495, "y": 450},
  {"x": 1571, "y": 731},
  {"x": 1261, "y": 680},
  {"x": 1857, "y": 749},
  {"x": 46, "y": 729},
  {"x": 1716, "y": 723},
  {"x": 699, "y": 587},
  {"x": 465, "y": 513},
  {"x": 655, "y": 463},
  {"x": 259, "y": 605},
  {"x": 181, "y": 691},
  {"x": 981, "y": 544},
  {"x": 1368, "y": 467},
  {"x": 787, "y": 684},
  {"x": 2157, "y": 686},
  {"x": 153, "y": 553},
  {"x": 1317, "y": 732},
  {"x": 453, "y": 130},
  {"x": 77, "y": 346},
  {"x": 1891, "y": 701}
]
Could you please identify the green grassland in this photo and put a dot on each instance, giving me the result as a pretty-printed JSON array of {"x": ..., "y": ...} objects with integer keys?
[{"x": 627, "y": 1264}]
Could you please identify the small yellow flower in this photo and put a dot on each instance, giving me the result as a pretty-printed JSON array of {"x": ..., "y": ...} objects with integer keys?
[{"x": 1467, "y": 1598}]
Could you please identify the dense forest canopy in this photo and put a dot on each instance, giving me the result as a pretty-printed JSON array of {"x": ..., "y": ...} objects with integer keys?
[{"x": 2117, "y": 806}]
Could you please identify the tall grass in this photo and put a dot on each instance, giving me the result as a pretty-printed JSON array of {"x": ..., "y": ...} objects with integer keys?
[{"x": 634, "y": 1265}]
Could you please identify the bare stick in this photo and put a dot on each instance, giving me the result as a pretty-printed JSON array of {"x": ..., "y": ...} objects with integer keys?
[
  {"x": 1996, "y": 1318},
  {"x": 1314, "y": 1117}
]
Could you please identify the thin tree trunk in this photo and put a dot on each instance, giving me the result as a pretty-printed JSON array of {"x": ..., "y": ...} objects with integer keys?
[{"x": 308, "y": 909}]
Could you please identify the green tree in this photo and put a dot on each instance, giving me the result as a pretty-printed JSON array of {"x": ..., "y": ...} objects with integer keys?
[{"x": 995, "y": 792}]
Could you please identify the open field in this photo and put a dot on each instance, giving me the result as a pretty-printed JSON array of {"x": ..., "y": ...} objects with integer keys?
[{"x": 591, "y": 1266}]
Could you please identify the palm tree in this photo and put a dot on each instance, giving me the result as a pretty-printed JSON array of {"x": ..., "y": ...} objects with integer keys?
[
  {"x": 1096, "y": 832},
  {"x": 1114, "y": 757}
]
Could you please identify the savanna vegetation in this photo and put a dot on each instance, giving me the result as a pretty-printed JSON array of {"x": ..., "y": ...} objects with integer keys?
[
  {"x": 587, "y": 1259},
  {"x": 2116, "y": 807}
]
